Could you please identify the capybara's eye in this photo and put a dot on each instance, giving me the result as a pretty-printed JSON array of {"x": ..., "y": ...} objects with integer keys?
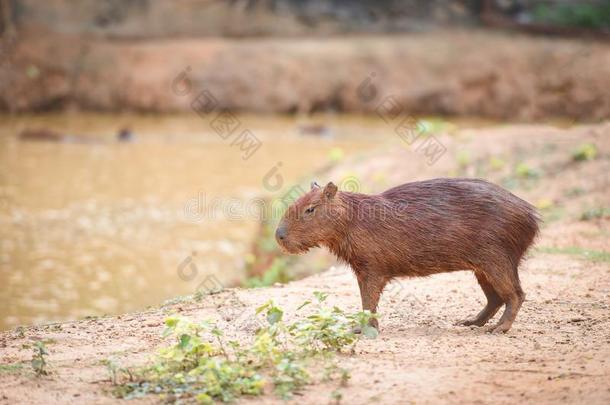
[{"x": 310, "y": 210}]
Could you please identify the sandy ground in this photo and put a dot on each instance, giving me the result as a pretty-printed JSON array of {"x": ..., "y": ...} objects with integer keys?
[{"x": 557, "y": 351}]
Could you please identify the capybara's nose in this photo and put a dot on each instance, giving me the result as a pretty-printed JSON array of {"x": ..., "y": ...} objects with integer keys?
[{"x": 280, "y": 232}]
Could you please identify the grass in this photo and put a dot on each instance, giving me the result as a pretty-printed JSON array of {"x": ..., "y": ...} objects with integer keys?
[
  {"x": 11, "y": 368},
  {"x": 592, "y": 255},
  {"x": 202, "y": 365},
  {"x": 595, "y": 213}
]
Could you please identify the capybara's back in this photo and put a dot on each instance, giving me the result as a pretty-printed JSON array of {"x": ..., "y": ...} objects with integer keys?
[
  {"x": 457, "y": 224},
  {"x": 419, "y": 229}
]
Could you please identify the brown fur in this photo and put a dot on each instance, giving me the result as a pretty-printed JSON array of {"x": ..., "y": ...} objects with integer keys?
[{"x": 419, "y": 229}]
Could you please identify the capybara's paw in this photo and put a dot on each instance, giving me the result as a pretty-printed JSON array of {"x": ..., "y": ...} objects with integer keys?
[
  {"x": 470, "y": 322},
  {"x": 499, "y": 328},
  {"x": 466, "y": 322},
  {"x": 358, "y": 330}
]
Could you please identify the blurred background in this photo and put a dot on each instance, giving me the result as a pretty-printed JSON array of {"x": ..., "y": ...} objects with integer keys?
[{"x": 147, "y": 147}]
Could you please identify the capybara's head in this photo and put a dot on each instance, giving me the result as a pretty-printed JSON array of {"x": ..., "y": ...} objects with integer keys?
[{"x": 313, "y": 219}]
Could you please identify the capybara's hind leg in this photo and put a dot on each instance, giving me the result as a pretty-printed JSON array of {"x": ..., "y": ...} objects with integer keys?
[
  {"x": 494, "y": 302},
  {"x": 509, "y": 289}
]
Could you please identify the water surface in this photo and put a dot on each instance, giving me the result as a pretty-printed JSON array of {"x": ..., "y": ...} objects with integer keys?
[{"x": 93, "y": 226}]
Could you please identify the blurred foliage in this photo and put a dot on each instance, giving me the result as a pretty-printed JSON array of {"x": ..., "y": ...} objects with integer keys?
[
  {"x": 544, "y": 204},
  {"x": 39, "y": 362},
  {"x": 11, "y": 368},
  {"x": 586, "y": 151},
  {"x": 523, "y": 170},
  {"x": 595, "y": 213},
  {"x": 335, "y": 155},
  {"x": 574, "y": 14},
  {"x": 496, "y": 163},
  {"x": 278, "y": 272},
  {"x": 592, "y": 255},
  {"x": 464, "y": 159}
]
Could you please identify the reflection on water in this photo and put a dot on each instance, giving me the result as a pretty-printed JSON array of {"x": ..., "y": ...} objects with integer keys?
[{"x": 98, "y": 227}]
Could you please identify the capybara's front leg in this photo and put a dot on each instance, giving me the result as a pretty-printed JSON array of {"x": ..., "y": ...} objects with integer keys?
[{"x": 371, "y": 287}]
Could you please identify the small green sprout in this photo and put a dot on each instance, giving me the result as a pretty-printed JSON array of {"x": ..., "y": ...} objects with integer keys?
[
  {"x": 584, "y": 152},
  {"x": 39, "y": 363},
  {"x": 524, "y": 171}
]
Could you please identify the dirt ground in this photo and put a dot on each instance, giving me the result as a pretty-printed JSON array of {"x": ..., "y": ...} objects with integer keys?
[
  {"x": 557, "y": 351},
  {"x": 457, "y": 72}
]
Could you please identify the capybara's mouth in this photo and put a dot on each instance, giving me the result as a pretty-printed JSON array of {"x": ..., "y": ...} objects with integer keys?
[{"x": 292, "y": 249}]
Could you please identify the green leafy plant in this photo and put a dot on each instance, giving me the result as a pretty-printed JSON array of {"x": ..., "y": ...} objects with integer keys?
[
  {"x": 496, "y": 163},
  {"x": 595, "y": 213},
  {"x": 39, "y": 363},
  {"x": 202, "y": 365},
  {"x": 524, "y": 171},
  {"x": 330, "y": 328},
  {"x": 584, "y": 152}
]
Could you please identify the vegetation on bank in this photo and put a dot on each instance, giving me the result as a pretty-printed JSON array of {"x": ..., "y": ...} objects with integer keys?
[
  {"x": 587, "y": 254},
  {"x": 576, "y": 14},
  {"x": 202, "y": 364}
]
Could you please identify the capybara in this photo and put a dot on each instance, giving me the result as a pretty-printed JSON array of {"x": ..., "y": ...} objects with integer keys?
[
  {"x": 40, "y": 135},
  {"x": 43, "y": 134},
  {"x": 419, "y": 229},
  {"x": 125, "y": 135}
]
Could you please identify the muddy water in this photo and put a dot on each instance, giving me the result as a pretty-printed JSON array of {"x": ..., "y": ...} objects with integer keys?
[{"x": 98, "y": 227}]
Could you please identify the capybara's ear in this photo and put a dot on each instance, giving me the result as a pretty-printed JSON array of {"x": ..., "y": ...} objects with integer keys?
[
  {"x": 330, "y": 190},
  {"x": 314, "y": 185}
]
